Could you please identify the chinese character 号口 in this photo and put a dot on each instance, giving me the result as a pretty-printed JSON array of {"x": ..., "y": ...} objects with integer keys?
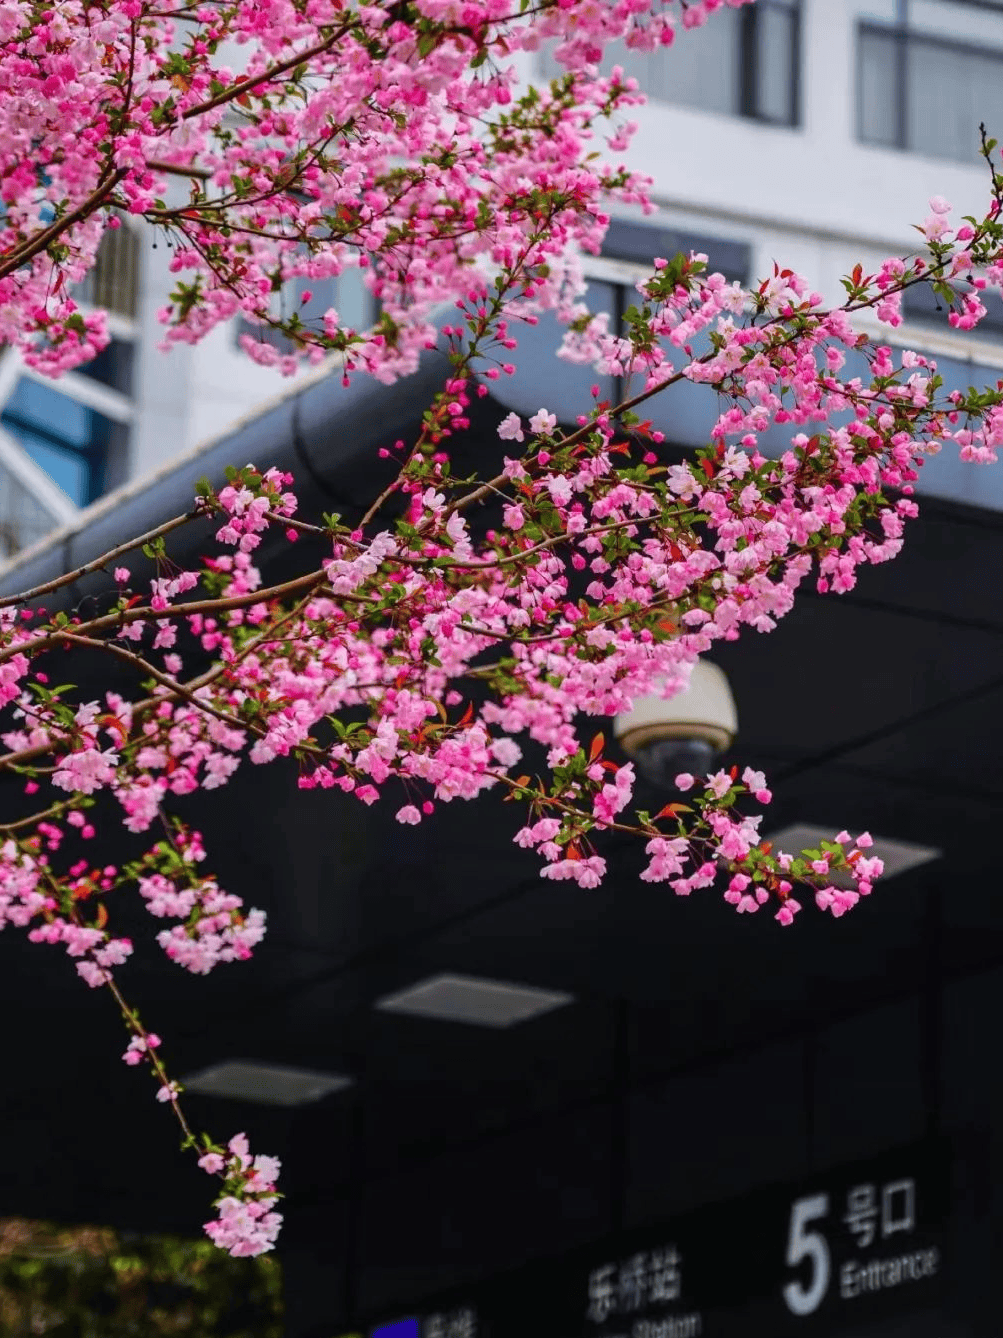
[
  {"x": 898, "y": 1206},
  {"x": 602, "y": 1301},
  {"x": 862, "y": 1213},
  {"x": 664, "y": 1274},
  {"x": 633, "y": 1283},
  {"x": 461, "y": 1324}
]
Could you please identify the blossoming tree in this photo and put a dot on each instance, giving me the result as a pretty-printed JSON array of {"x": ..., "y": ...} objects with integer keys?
[{"x": 399, "y": 137}]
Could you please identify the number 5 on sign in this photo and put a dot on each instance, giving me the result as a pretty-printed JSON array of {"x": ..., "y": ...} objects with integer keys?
[{"x": 805, "y": 1244}]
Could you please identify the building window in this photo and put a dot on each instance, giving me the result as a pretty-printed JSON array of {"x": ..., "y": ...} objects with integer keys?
[
  {"x": 113, "y": 281},
  {"x": 928, "y": 94},
  {"x": 565, "y": 385},
  {"x": 347, "y": 294},
  {"x": 81, "y": 449},
  {"x": 24, "y": 519},
  {"x": 636, "y": 244},
  {"x": 641, "y": 242},
  {"x": 67, "y": 439},
  {"x": 112, "y": 367},
  {"x": 921, "y": 304},
  {"x": 742, "y": 62}
]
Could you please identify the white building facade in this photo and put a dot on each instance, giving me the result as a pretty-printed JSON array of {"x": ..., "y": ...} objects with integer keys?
[
  {"x": 134, "y": 408},
  {"x": 810, "y": 133}
]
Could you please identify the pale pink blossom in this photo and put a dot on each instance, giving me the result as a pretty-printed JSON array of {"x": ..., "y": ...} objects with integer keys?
[
  {"x": 510, "y": 428},
  {"x": 543, "y": 422}
]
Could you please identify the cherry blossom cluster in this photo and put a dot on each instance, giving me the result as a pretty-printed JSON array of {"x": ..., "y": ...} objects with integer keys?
[
  {"x": 214, "y": 927},
  {"x": 246, "y": 1223},
  {"x": 671, "y": 558},
  {"x": 607, "y": 568},
  {"x": 423, "y": 651},
  {"x": 299, "y": 140}
]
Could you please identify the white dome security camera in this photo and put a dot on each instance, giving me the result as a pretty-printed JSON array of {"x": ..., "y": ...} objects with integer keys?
[{"x": 688, "y": 732}]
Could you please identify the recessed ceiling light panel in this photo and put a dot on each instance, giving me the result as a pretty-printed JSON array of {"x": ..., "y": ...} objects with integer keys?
[
  {"x": 483, "y": 1003},
  {"x": 898, "y": 856},
  {"x": 266, "y": 1084}
]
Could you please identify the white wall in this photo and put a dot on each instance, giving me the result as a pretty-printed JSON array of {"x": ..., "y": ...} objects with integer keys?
[{"x": 811, "y": 197}]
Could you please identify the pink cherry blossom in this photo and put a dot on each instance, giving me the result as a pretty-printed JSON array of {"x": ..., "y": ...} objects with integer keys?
[
  {"x": 510, "y": 428},
  {"x": 543, "y": 422},
  {"x": 418, "y": 654}
]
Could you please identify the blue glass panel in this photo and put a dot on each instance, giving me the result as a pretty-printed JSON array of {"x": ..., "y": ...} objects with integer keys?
[
  {"x": 949, "y": 91},
  {"x": 323, "y": 296},
  {"x": 408, "y": 1327},
  {"x": 68, "y": 440},
  {"x": 346, "y": 293},
  {"x": 741, "y": 63},
  {"x": 921, "y": 302},
  {"x": 774, "y": 38},
  {"x": 628, "y": 239},
  {"x": 49, "y": 409},
  {"x": 354, "y": 300},
  {"x": 877, "y": 87},
  {"x": 70, "y": 470},
  {"x": 702, "y": 70}
]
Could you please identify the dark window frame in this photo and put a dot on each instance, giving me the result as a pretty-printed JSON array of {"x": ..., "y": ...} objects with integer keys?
[
  {"x": 750, "y": 74},
  {"x": 290, "y": 293},
  {"x": 922, "y": 306},
  {"x": 749, "y": 81},
  {"x": 638, "y": 243},
  {"x": 113, "y": 281},
  {"x": 903, "y": 37},
  {"x": 993, "y": 6},
  {"x": 92, "y": 454}
]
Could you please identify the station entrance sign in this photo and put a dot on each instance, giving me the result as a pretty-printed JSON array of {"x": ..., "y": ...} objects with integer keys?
[{"x": 831, "y": 1253}]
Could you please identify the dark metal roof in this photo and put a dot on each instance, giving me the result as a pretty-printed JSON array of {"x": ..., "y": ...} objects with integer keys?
[{"x": 324, "y": 433}]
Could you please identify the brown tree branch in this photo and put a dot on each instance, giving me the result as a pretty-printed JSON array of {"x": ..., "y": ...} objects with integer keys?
[
  {"x": 69, "y": 577},
  {"x": 122, "y": 616},
  {"x": 14, "y": 260}
]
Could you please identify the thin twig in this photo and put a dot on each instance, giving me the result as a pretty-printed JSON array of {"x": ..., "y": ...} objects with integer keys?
[
  {"x": 69, "y": 577},
  {"x": 14, "y": 260},
  {"x": 144, "y": 666},
  {"x": 123, "y": 616}
]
